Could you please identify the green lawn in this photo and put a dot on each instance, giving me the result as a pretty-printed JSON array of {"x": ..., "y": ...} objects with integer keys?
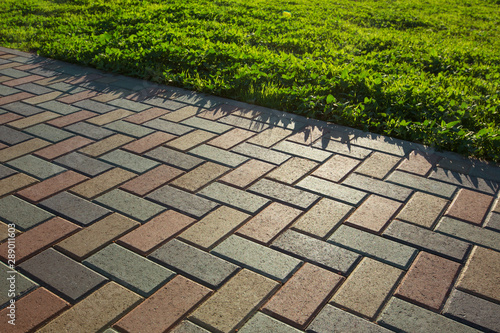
[{"x": 425, "y": 71}]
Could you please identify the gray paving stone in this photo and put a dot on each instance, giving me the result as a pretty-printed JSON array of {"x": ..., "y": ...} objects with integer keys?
[
  {"x": 486, "y": 171},
  {"x": 22, "y": 108},
  {"x": 374, "y": 246},
  {"x": 14, "y": 73},
  {"x": 74, "y": 208},
  {"x": 169, "y": 127},
  {"x": 59, "y": 107},
  {"x": 5, "y": 172},
  {"x": 196, "y": 264},
  {"x": 379, "y": 187},
  {"x": 427, "y": 240},
  {"x": 263, "y": 323},
  {"x": 197, "y": 99},
  {"x": 89, "y": 130},
  {"x": 332, "y": 320},
  {"x": 492, "y": 221},
  {"x": 316, "y": 251},
  {"x": 174, "y": 158},
  {"x": 48, "y": 132},
  {"x": 332, "y": 190},
  {"x": 129, "y": 269},
  {"x": 43, "y": 72},
  {"x": 342, "y": 148},
  {"x": 36, "y": 167},
  {"x": 11, "y": 136},
  {"x": 459, "y": 179},
  {"x": 422, "y": 184},
  {"x": 84, "y": 164},
  {"x": 23, "y": 214},
  {"x": 261, "y": 153},
  {"x": 469, "y": 233},
  {"x": 6, "y": 91},
  {"x": 129, "y": 129},
  {"x": 188, "y": 327},
  {"x": 406, "y": 317},
  {"x": 98, "y": 107},
  {"x": 67, "y": 88},
  {"x": 207, "y": 125},
  {"x": 218, "y": 155},
  {"x": 258, "y": 258},
  {"x": 234, "y": 197},
  {"x": 296, "y": 149},
  {"x": 63, "y": 274},
  {"x": 183, "y": 201},
  {"x": 284, "y": 193},
  {"x": 245, "y": 123},
  {"x": 34, "y": 88},
  {"x": 473, "y": 310},
  {"x": 164, "y": 103},
  {"x": 22, "y": 284},
  {"x": 129, "y": 161},
  {"x": 130, "y": 205}
]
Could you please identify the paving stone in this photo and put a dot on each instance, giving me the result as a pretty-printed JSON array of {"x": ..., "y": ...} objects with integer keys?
[
  {"x": 168, "y": 305},
  {"x": 181, "y": 114},
  {"x": 214, "y": 227},
  {"x": 423, "y": 209},
  {"x": 13, "y": 73},
  {"x": 332, "y": 319},
  {"x": 292, "y": 170},
  {"x": 302, "y": 151},
  {"x": 128, "y": 104},
  {"x": 481, "y": 274},
  {"x": 102, "y": 183},
  {"x": 90, "y": 131},
  {"x": 95, "y": 312},
  {"x": 63, "y": 274},
  {"x": 473, "y": 310},
  {"x": 206, "y": 125},
  {"x": 247, "y": 173},
  {"x": 316, "y": 251},
  {"x": 260, "y": 153},
  {"x": 23, "y": 109},
  {"x": 149, "y": 142},
  {"x": 39, "y": 238},
  {"x": 23, "y": 80},
  {"x": 374, "y": 213},
  {"x": 493, "y": 221},
  {"x": 36, "y": 167},
  {"x": 97, "y": 106},
  {"x": 149, "y": 114},
  {"x": 33, "y": 120},
  {"x": 42, "y": 98},
  {"x": 342, "y": 148},
  {"x": 336, "y": 168},
  {"x": 130, "y": 205},
  {"x": 71, "y": 118},
  {"x": 156, "y": 232},
  {"x": 487, "y": 171},
  {"x": 379, "y": 187},
  {"x": 199, "y": 177},
  {"x": 83, "y": 164},
  {"x": 367, "y": 288},
  {"x": 106, "y": 145},
  {"x": 74, "y": 208},
  {"x": 322, "y": 218},
  {"x": 248, "y": 124},
  {"x": 23, "y": 214},
  {"x": 14, "y": 183},
  {"x": 109, "y": 117},
  {"x": 298, "y": 301},
  {"x": 63, "y": 147},
  {"x": 270, "y": 136},
  {"x": 174, "y": 158},
  {"x": 129, "y": 161},
  {"x": 14, "y": 97},
  {"x": 269, "y": 223},
  {"x": 33, "y": 310},
  {"x": 197, "y": 264},
  {"x": 309, "y": 134},
  {"x": 22, "y": 286},
  {"x": 59, "y": 107},
  {"x": 496, "y": 206},
  {"x": 374, "y": 246},
  {"x": 470, "y": 206},
  {"x": 218, "y": 155},
  {"x": 129, "y": 269},
  {"x": 460, "y": 179},
  {"x": 234, "y": 197},
  {"x": 151, "y": 180},
  {"x": 5, "y": 91},
  {"x": 403, "y": 316},
  {"x": 70, "y": 99},
  {"x": 11, "y": 136},
  {"x": 332, "y": 190},
  {"x": 190, "y": 140},
  {"x": 418, "y": 162},
  {"x": 231, "y": 138},
  {"x": 8, "y": 117},
  {"x": 469, "y": 233},
  {"x": 21, "y": 149},
  {"x": 185, "y": 202},
  {"x": 5, "y": 172},
  {"x": 422, "y": 184},
  {"x": 284, "y": 193},
  {"x": 263, "y": 323},
  {"x": 164, "y": 103},
  {"x": 129, "y": 128},
  {"x": 50, "y": 133},
  {"x": 62, "y": 86},
  {"x": 167, "y": 126},
  {"x": 234, "y": 303}
]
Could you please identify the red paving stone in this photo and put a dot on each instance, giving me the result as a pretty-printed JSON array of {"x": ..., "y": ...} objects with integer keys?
[
  {"x": 148, "y": 142},
  {"x": 231, "y": 138},
  {"x": 72, "y": 118},
  {"x": 8, "y": 117},
  {"x": 149, "y": 114},
  {"x": 77, "y": 97},
  {"x": 470, "y": 206},
  {"x": 63, "y": 147},
  {"x": 22, "y": 80},
  {"x": 14, "y": 98}
]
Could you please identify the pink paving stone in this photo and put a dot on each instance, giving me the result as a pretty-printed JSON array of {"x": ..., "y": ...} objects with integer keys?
[
  {"x": 165, "y": 308},
  {"x": 156, "y": 232},
  {"x": 14, "y": 98},
  {"x": 40, "y": 238},
  {"x": 428, "y": 281},
  {"x": 72, "y": 118},
  {"x": 269, "y": 223},
  {"x": 148, "y": 142},
  {"x": 470, "y": 206},
  {"x": 303, "y": 296},
  {"x": 22, "y": 80},
  {"x": 51, "y": 186},
  {"x": 146, "y": 115},
  {"x": 77, "y": 97},
  {"x": 374, "y": 213},
  {"x": 419, "y": 163},
  {"x": 336, "y": 168},
  {"x": 151, "y": 180},
  {"x": 63, "y": 147},
  {"x": 231, "y": 138},
  {"x": 247, "y": 173},
  {"x": 8, "y": 117},
  {"x": 32, "y": 311}
]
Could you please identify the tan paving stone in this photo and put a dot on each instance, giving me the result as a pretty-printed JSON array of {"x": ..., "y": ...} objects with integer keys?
[
  {"x": 52, "y": 80},
  {"x": 270, "y": 136},
  {"x": 336, "y": 168},
  {"x": 378, "y": 165},
  {"x": 418, "y": 163},
  {"x": 102, "y": 183},
  {"x": 105, "y": 145},
  {"x": 423, "y": 209},
  {"x": 42, "y": 98},
  {"x": 181, "y": 114},
  {"x": 149, "y": 114},
  {"x": 148, "y": 142},
  {"x": 34, "y": 119},
  {"x": 292, "y": 170},
  {"x": 72, "y": 118},
  {"x": 21, "y": 149},
  {"x": 14, "y": 98},
  {"x": 15, "y": 182},
  {"x": 470, "y": 206},
  {"x": 190, "y": 140},
  {"x": 63, "y": 147},
  {"x": 231, "y": 138},
  {"x": 8, "y": 117},
  {"x": 308, "y": 135},
  {"x": 374, "y": 213},
  {"x": 70, "y": 99},
  {"x": 26, "y": 79},
  {"x": 151, "y": 180},
  {"x": 199, "y": 177},
  {"x": 247, "y": 173},
  {"x": 109, "y": 117}
]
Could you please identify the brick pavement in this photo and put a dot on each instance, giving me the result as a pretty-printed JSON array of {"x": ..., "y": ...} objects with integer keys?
[{"x": 138, "y": 207}]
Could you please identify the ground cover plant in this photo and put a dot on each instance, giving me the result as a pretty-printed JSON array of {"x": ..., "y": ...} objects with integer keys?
[{"x": 422, "y": 70}]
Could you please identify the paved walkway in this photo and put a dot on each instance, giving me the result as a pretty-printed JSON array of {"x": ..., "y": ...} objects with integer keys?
[{"x": 146, "y": 208}]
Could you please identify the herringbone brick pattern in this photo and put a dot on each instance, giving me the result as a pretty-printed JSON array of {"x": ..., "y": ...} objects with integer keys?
[{"x": 127, "y": 206}]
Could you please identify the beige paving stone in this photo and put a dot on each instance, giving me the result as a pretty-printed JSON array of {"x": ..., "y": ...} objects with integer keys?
[
  {"x": 21, "y": 149},
  {"x": 190, "y": 140},
  {"x": 199, "y": 177},
  {"x": 15, "y": 183},
  {"x": 148, "y": 142},
  {"x": 308, "y": 135},
  {"x": 292, "y": 170},
  {"x": 151, "y": 180},
  {"x": 109, "y": 117},
  {"x": 418, "y": 163},
  {"x": 8, "y": 117},
  {"x": 105, "y": 145},
  {"x": 149, "y": 114},
  {"x": 102, "y": 183},
  {"x": 4, "y": 231},
  {"x": 181, "y": 114},
  {"x": 34, "y": 119},
  {"x": 423, "y": 209},
  {"x": 42, "y": 98},
  {"x": 378, "y": 165},
  {"x": 231, "y": 138},
  {"x": 374, "y": 213},
  {"x": 336, "y": 168},
  {"x": 270, "y": 136},
  {"x": 247, "y": 173}
]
